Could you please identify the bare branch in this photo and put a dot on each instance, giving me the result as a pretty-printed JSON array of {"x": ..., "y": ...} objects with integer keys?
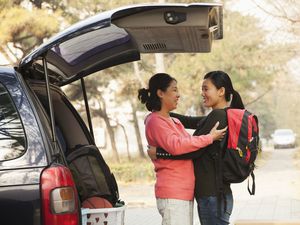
[
  {"x": 7, "y": 56},
  {"x": 22, "y": 38},
  {"x": 11, "y": 51},
  {"x": 279, "y": 8},
  {"x": 18, "y": 47},
  {"x": 258, "y": 98}
]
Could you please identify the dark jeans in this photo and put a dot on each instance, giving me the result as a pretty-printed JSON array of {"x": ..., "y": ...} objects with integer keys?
[{"x": 208, "y": 210}]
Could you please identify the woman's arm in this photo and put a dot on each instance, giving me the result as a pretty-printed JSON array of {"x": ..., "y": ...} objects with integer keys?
[
  {"x": 189, "y": 122},
  {"x": 212, "y": 118},
  {"x": 174, "y": 138}
]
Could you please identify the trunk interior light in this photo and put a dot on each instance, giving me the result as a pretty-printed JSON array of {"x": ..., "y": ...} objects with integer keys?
[{"x": 172, "y": 17}]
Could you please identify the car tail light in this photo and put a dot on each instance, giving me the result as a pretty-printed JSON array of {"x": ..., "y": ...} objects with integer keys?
[
  {"x": 59, "y": 197},
  {"x": 62, "y": 200}
]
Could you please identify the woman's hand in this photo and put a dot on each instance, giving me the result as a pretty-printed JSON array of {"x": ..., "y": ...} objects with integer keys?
[
  {"x": 151, "y": 152},
  {"x": 217, "y": 134}
]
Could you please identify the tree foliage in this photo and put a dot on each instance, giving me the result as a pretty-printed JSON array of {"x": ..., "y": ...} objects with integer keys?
[
  {"x": 245, "y": 54},
  {"x": 252, "y": 61},
  {"x": 283, "y": 17},
  {"x": 23, "y": 29}
]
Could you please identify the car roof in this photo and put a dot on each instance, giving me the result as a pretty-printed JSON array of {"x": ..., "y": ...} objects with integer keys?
[{"x": 119, "y": 36}]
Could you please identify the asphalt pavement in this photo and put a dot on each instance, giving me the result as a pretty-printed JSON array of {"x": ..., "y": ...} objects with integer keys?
[{"x": 277, "y": 195}]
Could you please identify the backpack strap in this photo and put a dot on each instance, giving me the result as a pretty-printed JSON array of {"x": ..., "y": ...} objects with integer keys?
[
  {"x": 255, "y": 132},
  {"x": 243, "y": 137},
  {"x": 252, "y": 191},
  {"x": 224, "y": 141}
]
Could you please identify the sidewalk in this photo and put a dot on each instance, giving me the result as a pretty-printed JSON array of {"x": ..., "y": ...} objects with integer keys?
[
  {"x": 278, "y": 191},
  {"x": 277, "y": 195}
]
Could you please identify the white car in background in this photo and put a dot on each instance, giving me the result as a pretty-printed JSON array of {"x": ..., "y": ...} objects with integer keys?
[{"x": 284, "y": 138}]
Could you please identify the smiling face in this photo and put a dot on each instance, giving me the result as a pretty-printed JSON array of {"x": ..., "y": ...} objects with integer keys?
[
  {"x": 212, "y": 96},
  {"x": 169, "y": 98}
]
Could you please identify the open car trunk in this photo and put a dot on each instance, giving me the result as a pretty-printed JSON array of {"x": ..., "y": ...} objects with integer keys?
[
  {"x": 69, "y": 126},
  {"x": 119, "y": 36},
  {"x": 105, "y": 40}
]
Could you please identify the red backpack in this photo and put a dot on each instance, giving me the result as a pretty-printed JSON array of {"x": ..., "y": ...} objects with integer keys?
[{"x": 240, "y": 147}]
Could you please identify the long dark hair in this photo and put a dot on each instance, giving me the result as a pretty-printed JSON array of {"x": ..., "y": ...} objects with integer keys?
[
  {"x": 159, "y": 81},
  {"x": 221, "y": 79}
]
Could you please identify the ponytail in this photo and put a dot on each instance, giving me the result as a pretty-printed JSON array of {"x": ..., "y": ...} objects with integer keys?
[
  {"x": 143, "y": 95},
  {"x": 236, "y": 101},
  {"x": 159, "y": 81},
  {"x": 151, "y": 101}
]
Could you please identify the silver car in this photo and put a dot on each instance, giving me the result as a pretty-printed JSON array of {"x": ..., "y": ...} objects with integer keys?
[{"x": 284, "y": 138}]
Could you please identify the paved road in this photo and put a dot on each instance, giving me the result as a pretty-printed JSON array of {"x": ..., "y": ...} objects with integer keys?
[
  {"x": 277, "y": 195},
  {"x": 278, "y": 191}
]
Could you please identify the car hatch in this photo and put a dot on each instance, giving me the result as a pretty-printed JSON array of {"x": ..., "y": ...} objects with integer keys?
[{"x": 119, "y": 36}]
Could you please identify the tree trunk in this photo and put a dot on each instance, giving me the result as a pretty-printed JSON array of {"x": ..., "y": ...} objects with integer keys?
[
  {"x": 102, "y": 112},
  {"x": 112, "y": 139},
  {"x": 137, "y": 132},
  {"x": 138, "y": 74},
  {"x": 134, "y": 111},
  {"x": 126, "y": 139},
  {"x": 159, "y": 63}
]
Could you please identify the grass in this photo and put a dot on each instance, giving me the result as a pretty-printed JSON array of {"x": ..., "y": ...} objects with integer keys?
[{"x": 140, "y": 170}]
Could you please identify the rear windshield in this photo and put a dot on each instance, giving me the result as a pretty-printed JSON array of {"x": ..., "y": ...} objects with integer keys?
[{"x": 12, "y": 137}]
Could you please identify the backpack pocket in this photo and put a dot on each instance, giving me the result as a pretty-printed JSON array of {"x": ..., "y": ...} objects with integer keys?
[{"x": 235, "y": 166}]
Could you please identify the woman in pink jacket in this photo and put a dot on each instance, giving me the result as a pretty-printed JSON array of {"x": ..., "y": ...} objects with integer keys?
[{"x": 174, "y": 188}]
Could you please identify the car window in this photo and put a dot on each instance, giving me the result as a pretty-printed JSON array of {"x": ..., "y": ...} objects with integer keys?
[{"x": 12, "y": 137}]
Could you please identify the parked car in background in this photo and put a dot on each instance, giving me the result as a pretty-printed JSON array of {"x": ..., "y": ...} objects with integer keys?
[
  {"x": 284, "y": 138},
  {"x": 38, "y": 123}
]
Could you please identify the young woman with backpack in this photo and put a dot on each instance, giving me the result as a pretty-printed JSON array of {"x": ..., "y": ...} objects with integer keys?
[
  {"x": 215, "y": 200},
  {"x": 174, "y": 188}
]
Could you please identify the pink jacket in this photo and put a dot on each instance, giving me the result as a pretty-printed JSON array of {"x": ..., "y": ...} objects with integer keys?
[{"x": 174, "y": 178}]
